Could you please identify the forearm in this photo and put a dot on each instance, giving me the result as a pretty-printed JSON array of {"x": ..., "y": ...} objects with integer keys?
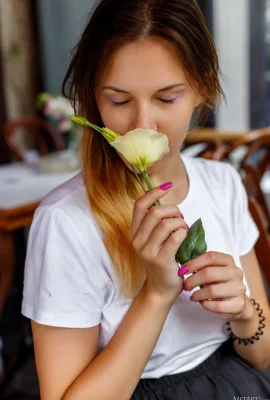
[
  {"x": 258, "y": 353},
  {"x": 115, "y": 372}
]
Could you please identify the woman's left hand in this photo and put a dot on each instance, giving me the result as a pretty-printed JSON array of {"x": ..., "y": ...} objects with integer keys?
[{"x": 224, "y": 290}]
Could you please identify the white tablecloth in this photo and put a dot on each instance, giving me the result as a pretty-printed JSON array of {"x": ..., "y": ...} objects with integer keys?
[{"x": 21, "y": 185}]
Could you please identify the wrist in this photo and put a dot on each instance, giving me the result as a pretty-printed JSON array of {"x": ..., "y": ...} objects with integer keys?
[
  {"x": 248, "y": 312},
  {"x": 249, "y": 327},
  {"x": 157, "y": 299}
]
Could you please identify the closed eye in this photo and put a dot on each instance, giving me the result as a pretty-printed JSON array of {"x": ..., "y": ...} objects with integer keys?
[{"x": 117, "y": 104}]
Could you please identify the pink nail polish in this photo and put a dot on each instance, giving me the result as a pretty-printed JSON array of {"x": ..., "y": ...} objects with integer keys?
[
  {"x": 187, "y": 227},
  {"x": 183, "y": 270},
  {"x": 166, "y": 185},
  {"x": 191, "y": 299},
  {"x": 182, "y": 216}
]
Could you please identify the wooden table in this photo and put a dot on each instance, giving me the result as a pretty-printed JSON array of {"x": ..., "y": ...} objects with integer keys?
[
  {"x": 21, "y": 191},
  {"x": 22, "y": 188}
]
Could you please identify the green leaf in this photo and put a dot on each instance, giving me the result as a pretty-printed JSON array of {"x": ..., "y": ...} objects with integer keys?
[{"x": 194, "y": 245}]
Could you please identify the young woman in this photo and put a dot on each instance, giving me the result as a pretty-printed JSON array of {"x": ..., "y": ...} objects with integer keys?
[{"x": 113, "y": 316}]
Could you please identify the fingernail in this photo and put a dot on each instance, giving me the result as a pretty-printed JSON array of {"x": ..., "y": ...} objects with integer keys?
[
  {"x": 166, "y": 185},
  {"x": 187, "y": 227},
  {"x": 183, "y": 270},
  {"x": 182, "y": 216},
  {"x": 191, "y": 299},
  {"x": 185, "y": 288}
]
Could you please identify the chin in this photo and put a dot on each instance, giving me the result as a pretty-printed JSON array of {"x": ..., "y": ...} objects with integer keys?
[{"x": 154, "y": 169}]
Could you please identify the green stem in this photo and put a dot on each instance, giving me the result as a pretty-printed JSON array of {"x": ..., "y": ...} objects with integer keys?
[
  {"x": 138, "y": 178},
  {"x": 149, "y": 185},
  {"x": 100, "y": 130}
]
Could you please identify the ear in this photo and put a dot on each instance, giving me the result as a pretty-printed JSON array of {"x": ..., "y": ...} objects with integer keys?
[{"x": 200, "y": 96}]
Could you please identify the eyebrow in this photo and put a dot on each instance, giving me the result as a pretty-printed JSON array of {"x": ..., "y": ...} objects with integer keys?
[{"x": 115, "y": 89}]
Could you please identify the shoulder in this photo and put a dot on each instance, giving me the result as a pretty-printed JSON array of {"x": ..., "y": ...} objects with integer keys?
[
  {"x": 71, "y": 193},
  {"x": 213, "y": 173},
  {"x": 65, "y": 215},
  {"x": 212, "y": 168},
  {"x": 67, "y": 270}
]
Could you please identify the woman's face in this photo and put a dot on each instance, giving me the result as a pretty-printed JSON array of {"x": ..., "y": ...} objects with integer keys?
[{"x": 146, "y": 87}]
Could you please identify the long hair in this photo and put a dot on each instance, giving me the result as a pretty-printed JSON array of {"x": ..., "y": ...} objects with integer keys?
[{"x": 111, "y": 187}]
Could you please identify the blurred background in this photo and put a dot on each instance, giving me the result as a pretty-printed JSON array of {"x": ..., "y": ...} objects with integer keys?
[{"x": 39, "y": 145}]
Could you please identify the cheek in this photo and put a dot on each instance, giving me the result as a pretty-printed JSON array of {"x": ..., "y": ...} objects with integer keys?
[
  {"x": 113, "y": 119},
  {"x": 181, "y": 112},
  {"x": 178, "y": 122},
  {"x": 109, "y": 118},
  {"x": 177, "y": 125}
]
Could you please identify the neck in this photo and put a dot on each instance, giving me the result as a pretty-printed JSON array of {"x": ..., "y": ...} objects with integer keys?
[{"x": 174, "y": 172}]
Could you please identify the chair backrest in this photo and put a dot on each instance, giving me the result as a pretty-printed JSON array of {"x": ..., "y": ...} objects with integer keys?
[
  {"x": 260, "y": 214},
  {"x": 254, "y": 143},
  {"x": 42, "y": 132},
  {"x": 258, "y": 153},
  {"x": 251, "y": 179},
  {"x": 262, "y": 246},
  {"x": 209, "y": 149},
  {"x": 248, "y": 138}
]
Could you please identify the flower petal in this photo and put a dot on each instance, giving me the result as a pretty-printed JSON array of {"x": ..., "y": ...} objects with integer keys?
[{"x": 142, "y": 147}]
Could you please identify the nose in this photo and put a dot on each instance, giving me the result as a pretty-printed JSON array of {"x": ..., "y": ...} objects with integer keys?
[{"x": 142, "y": 118}]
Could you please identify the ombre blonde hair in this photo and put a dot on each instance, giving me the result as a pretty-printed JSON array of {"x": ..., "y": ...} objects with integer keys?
[{"x": 111, "y": 187}]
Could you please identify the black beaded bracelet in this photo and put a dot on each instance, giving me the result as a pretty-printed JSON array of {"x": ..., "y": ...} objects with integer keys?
[{"x": 257, "y": 334}]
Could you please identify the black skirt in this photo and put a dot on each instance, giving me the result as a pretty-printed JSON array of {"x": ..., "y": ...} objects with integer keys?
[{"x": 223, "y": 376}]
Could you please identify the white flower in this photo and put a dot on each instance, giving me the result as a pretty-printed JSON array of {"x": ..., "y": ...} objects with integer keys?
[{"x": 142, "y": 147}]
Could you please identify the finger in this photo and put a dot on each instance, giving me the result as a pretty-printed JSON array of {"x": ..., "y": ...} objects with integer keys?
[
  {"x": 161, "y": 233},
  {"x": 142, "y": 205},
  {"x": 233, "y": 306},
  {"x": 164, "y": 216},
  {"x": 210, "y": 275},
  {"x": 173, "y": 242},
  {"x": 219, "y": 291},
  {"x": 207, "y": 259}
]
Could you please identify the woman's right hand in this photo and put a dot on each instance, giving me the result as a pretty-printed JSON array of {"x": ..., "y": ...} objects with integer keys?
[{"x": 150, "y": 231}]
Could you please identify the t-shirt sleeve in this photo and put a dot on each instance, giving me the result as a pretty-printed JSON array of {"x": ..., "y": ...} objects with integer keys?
[
  {"x": 63, "y": 282},
  {"x": 245, "y": 230}
]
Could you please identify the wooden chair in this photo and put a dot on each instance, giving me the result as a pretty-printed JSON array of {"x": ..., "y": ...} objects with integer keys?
[
  {"x": 260, "y": 214},
  {"x": 257, "y": 144},
  {"x": 209, "y": 149},
  {"x": 258, "y": 153},
  {"x": 251, "y": 179},
  {"x": 262, "y": 247},
  {"x": 43, "y": 133}
]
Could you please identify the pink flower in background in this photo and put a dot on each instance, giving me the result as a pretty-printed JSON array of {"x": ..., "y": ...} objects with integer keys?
[
  {"x": 58, "y": 108},
  {"x": 48, "y": 108},
  {"x": 64, "y": 125}
]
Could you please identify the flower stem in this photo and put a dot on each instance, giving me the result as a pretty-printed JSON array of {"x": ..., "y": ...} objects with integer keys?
[
  {"x": 149, "y": 185},
  {"x": 138, "y": 178},
  {"x": 106, "y": 135}
]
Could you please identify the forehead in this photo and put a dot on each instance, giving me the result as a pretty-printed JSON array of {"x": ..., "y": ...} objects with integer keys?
[{"x": 153, "y": 61}]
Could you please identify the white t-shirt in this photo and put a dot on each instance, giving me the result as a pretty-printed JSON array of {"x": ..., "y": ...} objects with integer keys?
[{"x": 70, "y": 280}]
